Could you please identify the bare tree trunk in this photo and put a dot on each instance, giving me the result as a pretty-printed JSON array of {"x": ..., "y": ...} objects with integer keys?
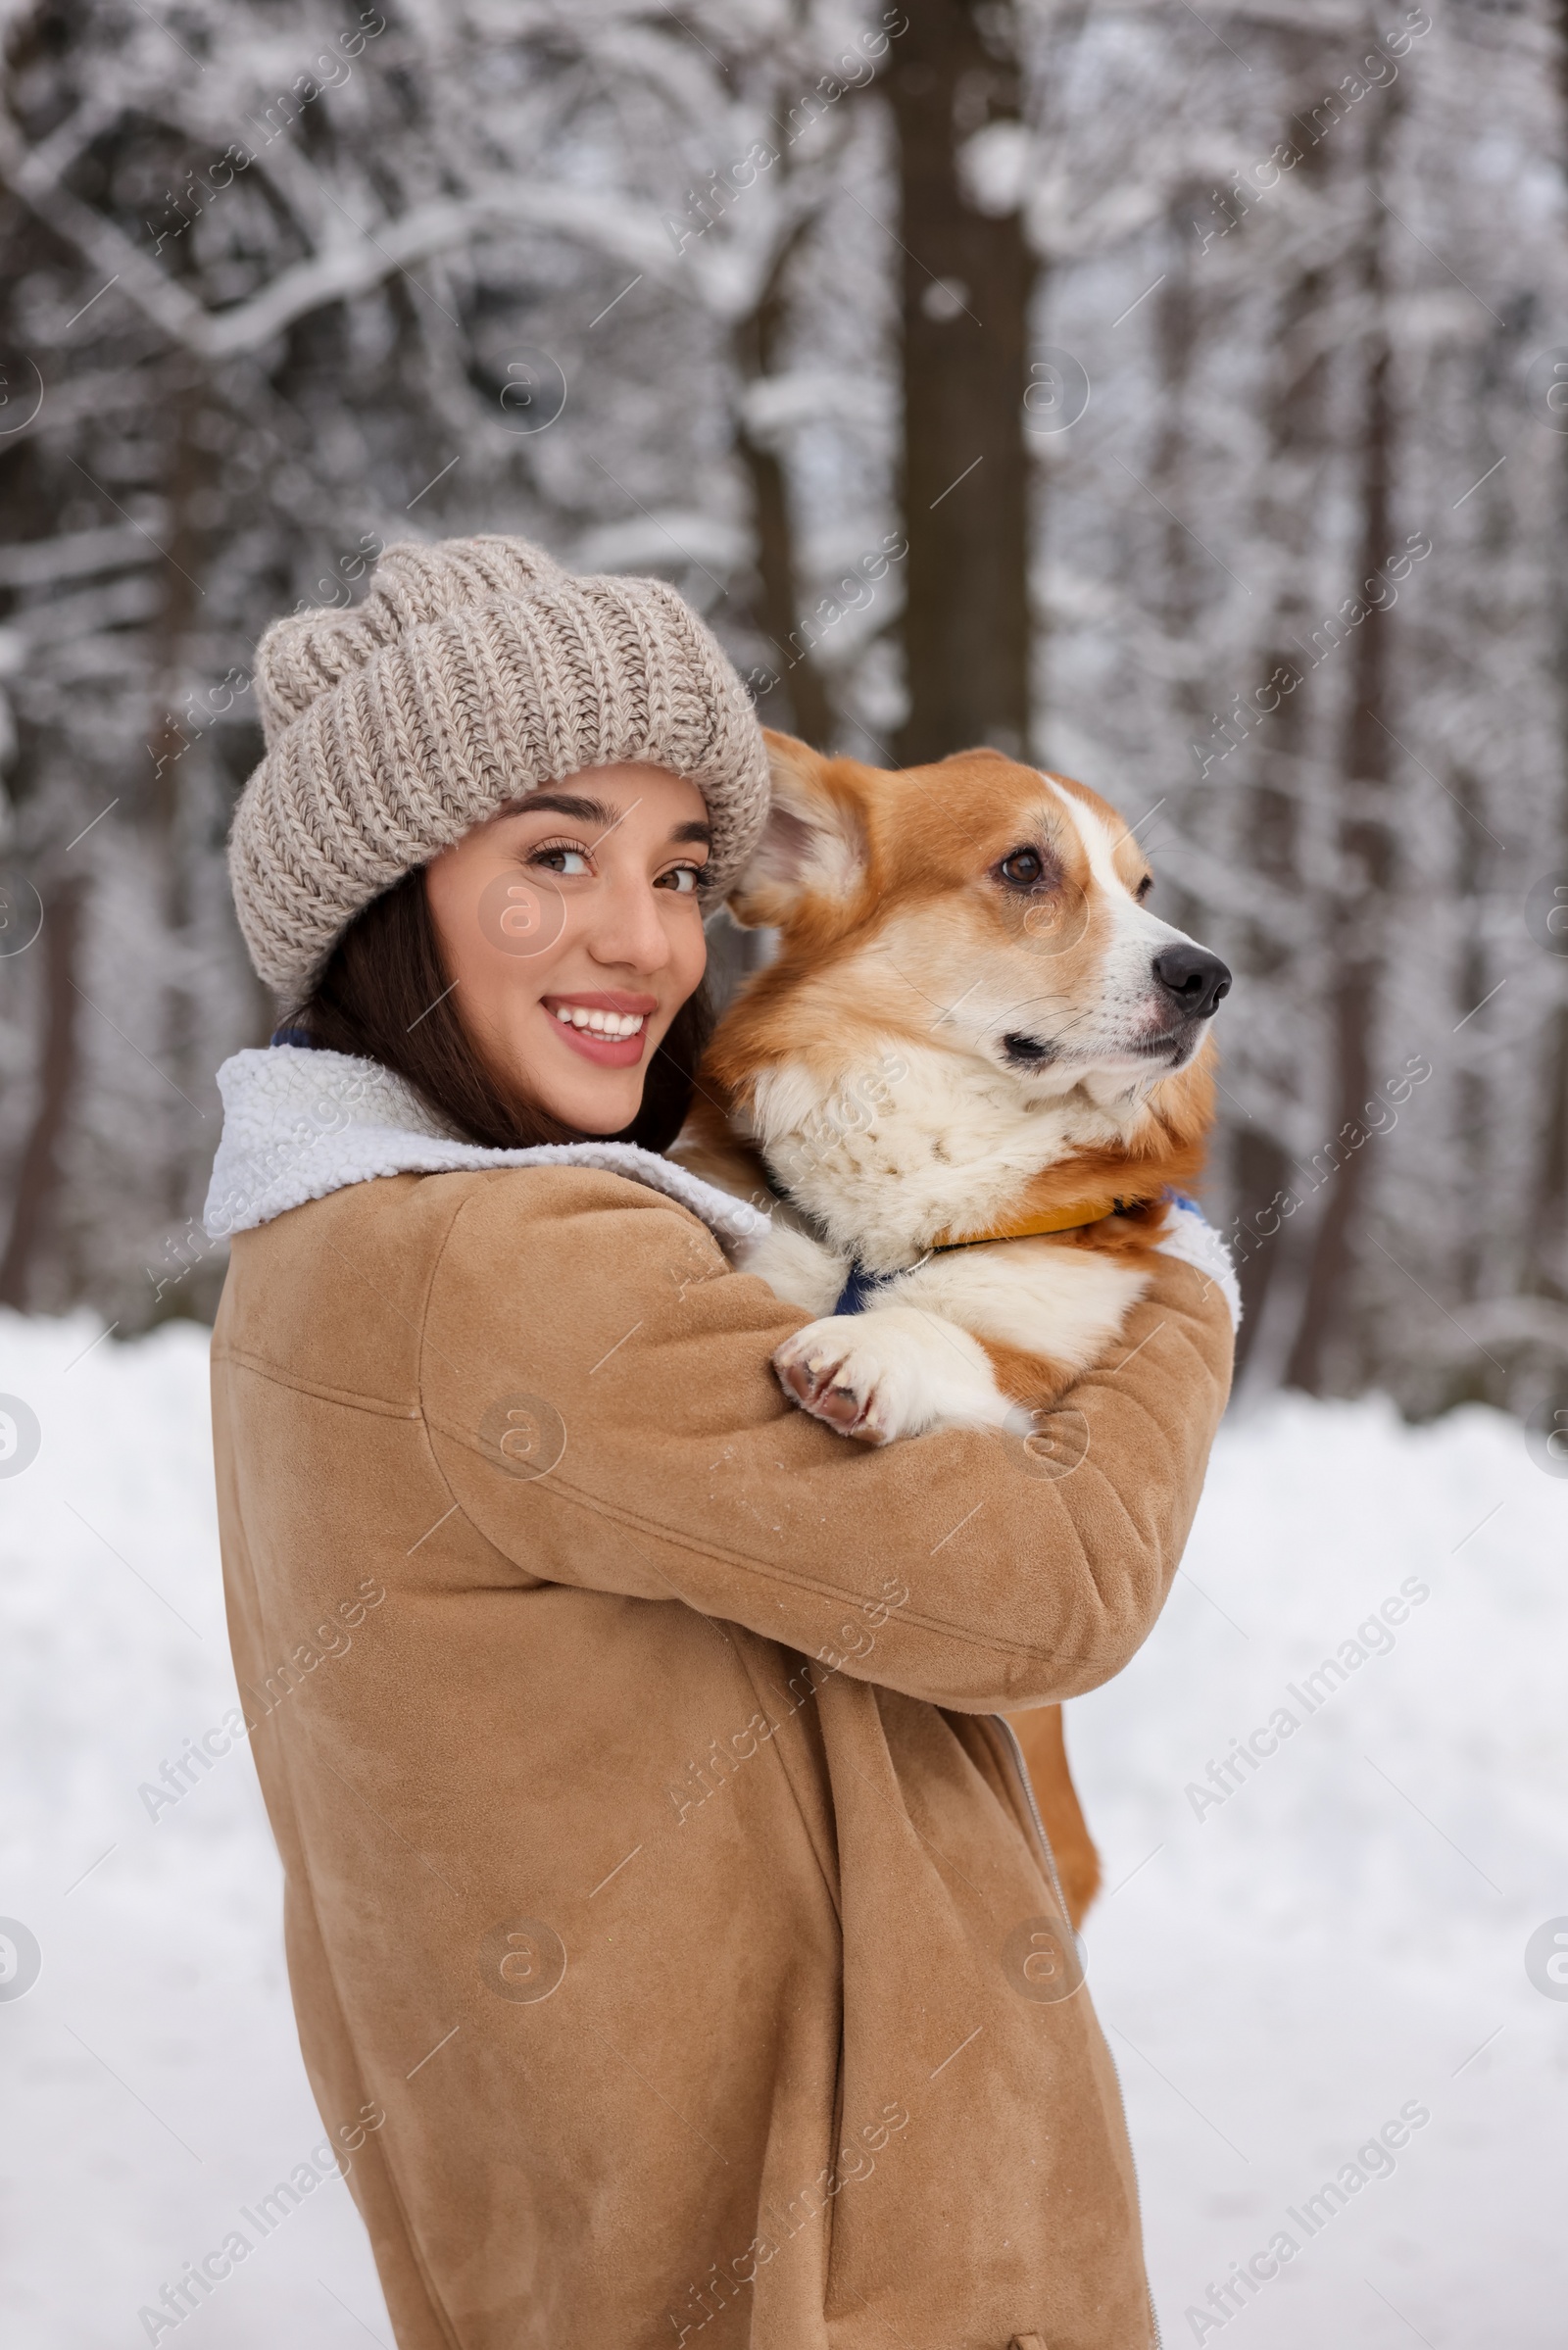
[
  {"x": 1550, "y": 1218},
  {"x": 1328, "y": 1331},
  {"x": 811, "y": 707},
  {"x": 966, "y": 278},
  {"x": 40, "y": 1171},
  {"x": 1472, "y": 885},
  {"x": 1546, "y": 1264},
  {"x": 188, "y": 471},
  {"x": 1185, "y": 576},
  {"x": 1273, "y": 1271}
]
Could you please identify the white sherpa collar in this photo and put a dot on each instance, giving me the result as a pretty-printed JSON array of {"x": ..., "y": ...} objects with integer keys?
[
  {"x": 299, "y": 1124},
  {"x": 1190, "y": 1236}
]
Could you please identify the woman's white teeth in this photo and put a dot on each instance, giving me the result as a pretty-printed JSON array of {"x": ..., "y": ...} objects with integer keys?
[{"x": 602, "y": 1023}]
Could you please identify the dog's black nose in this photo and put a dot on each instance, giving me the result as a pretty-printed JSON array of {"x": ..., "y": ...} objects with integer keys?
[{"x": 1194, "y": 977}]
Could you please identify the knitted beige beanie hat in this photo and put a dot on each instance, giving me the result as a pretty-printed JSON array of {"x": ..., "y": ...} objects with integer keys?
[{"x": 475, "y": 672}]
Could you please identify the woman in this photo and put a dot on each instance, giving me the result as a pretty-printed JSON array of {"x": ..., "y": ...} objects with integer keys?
[{"x": 672, "y": 1954}]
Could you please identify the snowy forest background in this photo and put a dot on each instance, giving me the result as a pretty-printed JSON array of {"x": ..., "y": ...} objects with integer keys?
[{"x": 1178, "y": 400}]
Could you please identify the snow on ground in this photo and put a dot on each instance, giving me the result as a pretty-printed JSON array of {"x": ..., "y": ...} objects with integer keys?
[
  {"x": 1343, "y": 1937},
  {"x": 1338, "y": 1943}
]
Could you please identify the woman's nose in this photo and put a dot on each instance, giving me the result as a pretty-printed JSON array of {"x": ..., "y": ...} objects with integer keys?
[{"x": 629, "y": 928}]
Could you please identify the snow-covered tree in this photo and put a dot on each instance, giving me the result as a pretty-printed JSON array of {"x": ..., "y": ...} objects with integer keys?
[{"x": 1192, "y": 379}]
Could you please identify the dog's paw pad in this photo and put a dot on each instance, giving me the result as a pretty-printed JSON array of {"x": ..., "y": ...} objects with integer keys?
[{"x": 822, "y": 1378}]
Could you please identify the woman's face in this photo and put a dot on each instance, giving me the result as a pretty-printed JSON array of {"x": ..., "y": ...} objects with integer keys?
[{"x": 571, "y": 930}]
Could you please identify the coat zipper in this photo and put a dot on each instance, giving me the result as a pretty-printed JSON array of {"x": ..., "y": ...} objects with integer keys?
[
  {"x": 1137, "y": 2201},
  {"x": 1015, "y": 1755}
]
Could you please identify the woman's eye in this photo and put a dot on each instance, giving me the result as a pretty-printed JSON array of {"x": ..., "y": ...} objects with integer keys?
[
  {"x": 562, "y": 859},
  {"x": 685, "y": 880},
  {"x": 1024, "y": 869}
]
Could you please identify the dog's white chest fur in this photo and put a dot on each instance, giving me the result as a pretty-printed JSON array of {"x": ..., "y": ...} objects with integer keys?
[
  {"x": 912, "y": 1360},
  {"x": 916, "y": 1142},
  {"x": 920, "y": 1157}
]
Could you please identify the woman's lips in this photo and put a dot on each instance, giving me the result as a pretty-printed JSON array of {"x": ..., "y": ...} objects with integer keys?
[{"x": 591, "y": 1043}]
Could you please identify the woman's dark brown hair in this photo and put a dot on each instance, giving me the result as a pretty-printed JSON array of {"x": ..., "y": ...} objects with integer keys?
[{"x": 386, "y": 996}]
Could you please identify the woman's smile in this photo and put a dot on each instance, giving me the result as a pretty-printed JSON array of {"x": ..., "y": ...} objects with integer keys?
[{"x": 610, "y": 1028}]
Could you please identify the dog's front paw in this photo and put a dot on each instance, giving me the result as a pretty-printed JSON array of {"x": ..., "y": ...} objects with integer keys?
[
  {"x": 889, "y": 1373},
  {"x": 833, "y": 1378}
]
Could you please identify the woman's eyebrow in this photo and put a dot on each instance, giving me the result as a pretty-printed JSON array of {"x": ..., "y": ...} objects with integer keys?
[
  {"x": 595, "y": 812},
  {"x": 567, "y": 804}
]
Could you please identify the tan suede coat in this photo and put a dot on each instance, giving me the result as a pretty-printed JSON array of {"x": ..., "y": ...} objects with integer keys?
[{"x": 653, "y": 1863}]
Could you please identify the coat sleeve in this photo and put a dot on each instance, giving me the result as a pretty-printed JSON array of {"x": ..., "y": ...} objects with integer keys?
[{"x": 597, "y": 1388}]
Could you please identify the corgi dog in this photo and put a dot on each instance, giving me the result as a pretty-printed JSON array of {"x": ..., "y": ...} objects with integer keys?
[{"x": 968, "y": 1083}]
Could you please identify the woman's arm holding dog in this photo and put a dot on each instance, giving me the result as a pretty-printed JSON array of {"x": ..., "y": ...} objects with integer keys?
[{"x": 961, "y": 1567}]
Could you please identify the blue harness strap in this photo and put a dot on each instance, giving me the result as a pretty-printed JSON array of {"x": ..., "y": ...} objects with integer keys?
[{"x": 859, "y": 1286}]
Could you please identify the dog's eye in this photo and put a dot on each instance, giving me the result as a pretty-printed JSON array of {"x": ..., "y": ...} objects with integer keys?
[
  {"x": 1144, "y": 887},
  {"x": 1023, "y": 867}
]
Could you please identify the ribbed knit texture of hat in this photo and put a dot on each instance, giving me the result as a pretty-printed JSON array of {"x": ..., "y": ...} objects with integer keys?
[{"x": 475, "y": 672}]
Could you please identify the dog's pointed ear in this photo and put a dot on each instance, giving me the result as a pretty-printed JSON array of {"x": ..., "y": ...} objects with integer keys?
[{"x": 814, "y": 848}]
